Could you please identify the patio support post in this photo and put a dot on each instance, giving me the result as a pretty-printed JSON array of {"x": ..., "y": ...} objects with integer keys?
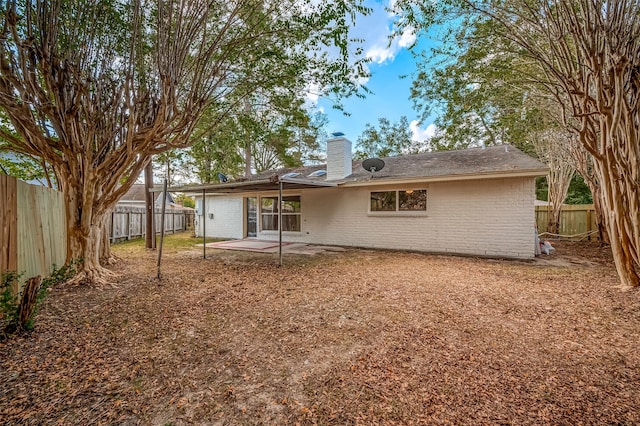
[
  {"x": 280, "y": 224},
  {"x": 164, "y": 207},
  {"x": 204, "y": 227}
]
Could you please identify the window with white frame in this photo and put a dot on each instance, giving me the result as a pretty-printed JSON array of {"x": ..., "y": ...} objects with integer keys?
[
  {"x": 291, "y": 213},
  {"x": 409, "y": 200}
]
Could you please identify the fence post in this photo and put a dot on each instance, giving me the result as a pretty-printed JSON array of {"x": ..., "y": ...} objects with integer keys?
[
  {"x": 113, "y": 231},
  {"x": 128, "y": 225}
]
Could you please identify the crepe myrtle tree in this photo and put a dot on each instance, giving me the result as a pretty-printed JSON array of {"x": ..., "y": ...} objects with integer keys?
[
  {"x": 96, "y": 87},
  {"x": 589, "y": 54},
  {"x": 389, "y": 139}
]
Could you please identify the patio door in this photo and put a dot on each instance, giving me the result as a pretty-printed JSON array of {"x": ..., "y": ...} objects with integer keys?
[{"x": 252, "y": 217}]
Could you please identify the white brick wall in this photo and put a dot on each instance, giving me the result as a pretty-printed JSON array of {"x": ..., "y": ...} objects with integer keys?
[
  {"x": 482, "y": 217},
  {"x": 339, "y": 164},
  {"x": 228, "y": 219},
  {"x": 491, "y": 217}
]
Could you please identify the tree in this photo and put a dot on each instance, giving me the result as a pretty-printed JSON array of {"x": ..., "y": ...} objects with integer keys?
[
  {"x": 309, "y": 137},
  {"x": 27, "y": 168},
  {"x": 390, "y": 139},
  {"x": 486, "y": 91},
  {"x": 172, "y": 165},
  {"x": 96, "y": 87},
  {"x": 583, "y": 162},
  {"x": 476, "y": 86},
  {"x": 589, "y": 55},
  {"x": 579, "y": 192},
  {"x": 185, "y": 201},
  {"x": 555, "y": 153},
  {"x": 277, "y": 136}
]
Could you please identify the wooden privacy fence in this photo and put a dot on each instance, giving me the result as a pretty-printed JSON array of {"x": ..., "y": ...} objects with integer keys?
[
  {"x": 128, "y": 222},
  {"x": 33, "y": 230},
  {"x": 576, "y": 221}
]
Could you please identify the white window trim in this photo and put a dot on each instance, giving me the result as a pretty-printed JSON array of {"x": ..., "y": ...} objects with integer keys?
[
  {"x": 276, "y": 231},
  {"x": 397, "y": 212}
]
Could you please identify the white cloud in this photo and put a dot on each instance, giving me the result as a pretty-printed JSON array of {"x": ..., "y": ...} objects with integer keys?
[
  {"x": 419, "y": 134},
  {"x": 313, "y": 92},
  {"x": 379, "y": 54},
  {"x": 407, "y": 38},
  {"x": 382, "y": 51},
  {"x": 376, "y": 29}
]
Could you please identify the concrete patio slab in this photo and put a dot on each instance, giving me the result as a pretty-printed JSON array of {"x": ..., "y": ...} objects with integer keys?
[{"x": 272, "y": 247}]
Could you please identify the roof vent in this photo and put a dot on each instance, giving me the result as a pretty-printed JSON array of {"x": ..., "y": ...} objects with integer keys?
[
  {"x": 317, "y": 173},
  {"x": 291, "y": 175}
]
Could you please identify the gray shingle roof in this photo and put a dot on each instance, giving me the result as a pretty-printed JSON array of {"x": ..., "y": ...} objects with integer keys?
[
  {"x": 137, "y": 194},
  {"x": 500, "y": 159}
]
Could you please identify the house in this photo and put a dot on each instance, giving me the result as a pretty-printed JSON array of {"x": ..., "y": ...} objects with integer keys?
[
  {"x": 134, "y": 197},
  {"x": 477, "y": 201}
]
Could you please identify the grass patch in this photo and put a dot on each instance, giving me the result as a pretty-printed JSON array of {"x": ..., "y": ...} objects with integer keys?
[{"x": 179, "y": 241}]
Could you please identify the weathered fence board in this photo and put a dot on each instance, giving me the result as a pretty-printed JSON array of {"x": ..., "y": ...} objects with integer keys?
[
  {"x": 33, "y": 230},
  {"x": 8, "y": 224},
  {"x": 576, "y": 221},
  {"x": 33, "y": 227},
  {"x": 128, "y": 222}
]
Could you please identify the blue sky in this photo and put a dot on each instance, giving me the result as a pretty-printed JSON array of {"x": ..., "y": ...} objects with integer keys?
[{"x": 390, "y": 97}]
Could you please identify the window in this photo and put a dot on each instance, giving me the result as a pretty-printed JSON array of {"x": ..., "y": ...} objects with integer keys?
[
  {"x": 383, "y": 201},
  {"x": 291, "y": 213},
  {"x": 410, "y": 200}
]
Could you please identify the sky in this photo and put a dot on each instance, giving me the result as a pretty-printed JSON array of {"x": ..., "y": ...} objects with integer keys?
[{"x": 390, "y": 92}]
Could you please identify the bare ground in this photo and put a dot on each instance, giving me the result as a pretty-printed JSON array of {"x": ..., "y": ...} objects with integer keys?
[{"x": 358, "y": 337}]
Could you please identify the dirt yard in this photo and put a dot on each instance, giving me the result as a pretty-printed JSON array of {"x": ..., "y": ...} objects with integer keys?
[{"x": 357, "y": 337}]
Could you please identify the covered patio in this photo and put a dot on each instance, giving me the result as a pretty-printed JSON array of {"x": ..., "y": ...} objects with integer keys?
[{"x": 273, "y": 183}]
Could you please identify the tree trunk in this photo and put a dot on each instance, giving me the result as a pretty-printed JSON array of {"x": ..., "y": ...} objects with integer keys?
[
  {"x": 83, "y": 244},
  {"x": 553, "y": 224},
  {"x": 601, "y": 218},
  {"x": 247, "y": 161},
  {"x": 621, "y": 200},
  {"x": 86, "y": 218},
  {"x": 106, "y": 258}
]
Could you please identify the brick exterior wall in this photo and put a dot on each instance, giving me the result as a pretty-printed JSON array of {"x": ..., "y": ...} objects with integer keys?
[
  {"x": 339, "y": 164},
  {"x": 228, "y": 217},
  {"x": 490, "y": 217}
]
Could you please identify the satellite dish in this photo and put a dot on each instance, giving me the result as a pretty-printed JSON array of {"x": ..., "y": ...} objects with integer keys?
[
  {"x": 373, "y": 165},
  {"x": 222, "y": 178}
]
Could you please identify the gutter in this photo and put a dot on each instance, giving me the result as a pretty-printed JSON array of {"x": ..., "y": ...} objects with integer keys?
[{"x": 443, "y": 178}]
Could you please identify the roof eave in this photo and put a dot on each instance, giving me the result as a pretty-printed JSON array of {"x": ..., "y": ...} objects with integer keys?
[
  {"x": 308, "y": 182},
  {"x": 195, "y": 189},
  {"x": 251, "y": 186},
  {"x": 446, "y": 178}
]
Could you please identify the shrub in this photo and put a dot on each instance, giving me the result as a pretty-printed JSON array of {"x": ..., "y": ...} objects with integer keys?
[{"x": 18, "y": 311}]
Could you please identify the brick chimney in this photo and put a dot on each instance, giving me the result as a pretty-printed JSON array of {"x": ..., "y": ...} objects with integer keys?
[{"x": 338, "y": 158}]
